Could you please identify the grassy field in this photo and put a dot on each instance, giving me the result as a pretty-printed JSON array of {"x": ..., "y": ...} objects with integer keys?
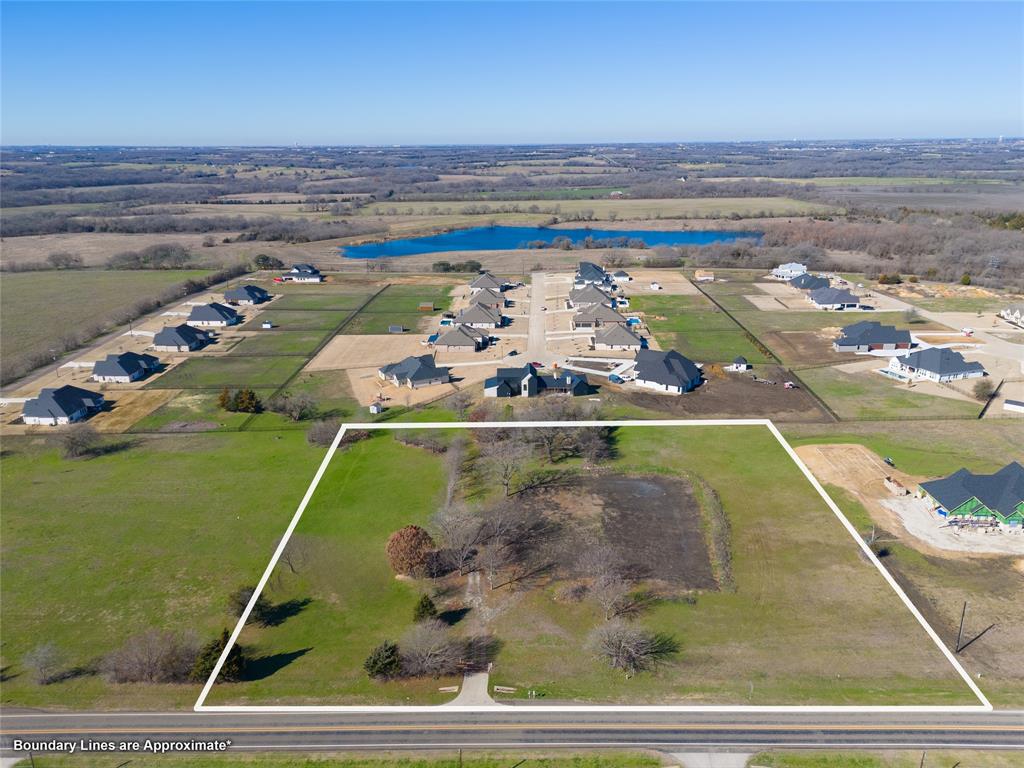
[
  {"x": 195, "y": 410},
  {"x": 77, "y": 299},
  {"x": 628, "y": 208},
  {"x": 279, "y": 343},
  {"x": 320, "y": 301},
  {"x": 298, "y": 320},
  {"x": 156, "y": 535},
  {"x": 798, "y": 580},
  {"x": 229, "y": 371},
  {"x": 893, "y": 759},
  {"x": 869, "y": 396},
  {"x": 695, "y": 327},
  {"x": 398, "y": 305}
]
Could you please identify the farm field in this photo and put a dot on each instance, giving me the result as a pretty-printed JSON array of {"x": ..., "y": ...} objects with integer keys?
[
  {"x": 194, "y": 518},
  {"x": 74, "y": 299},
  {"x": 751, "y": 634}
]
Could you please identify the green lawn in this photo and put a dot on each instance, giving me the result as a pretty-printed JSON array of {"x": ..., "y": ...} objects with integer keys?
[
  {"x": 694, "y": 326},
  {"x": 332, "y": 393},
  {"x": 869, "y": 396},
  {"x": 78, "y": 299},
  {"x": 320, "y": 301},
  {"x": 198, "y": 408},
  {"x": 798, "y": 577},
  {"x": 279, "y": 343},
  {"x": 229, "y": 371},
  {"x": 153, "y": 536},
  {"x": 405, "y": 299},
  {"x": 298, "y": 320},
  {"x": 896, "y": 759},
  {"x": 982, "y": 304}
]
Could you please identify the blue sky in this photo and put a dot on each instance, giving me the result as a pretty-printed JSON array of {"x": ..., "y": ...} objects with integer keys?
[{"x": 504, "y": 72}]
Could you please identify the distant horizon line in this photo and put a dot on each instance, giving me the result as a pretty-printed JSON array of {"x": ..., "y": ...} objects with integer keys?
[{"x": 416, "y": 145}]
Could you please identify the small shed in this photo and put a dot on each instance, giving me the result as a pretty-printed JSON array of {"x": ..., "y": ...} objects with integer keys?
[
  {"x": 425, "y": 306},
  {"x": 376, "y": 408},
  {"x": 266, "y": 325},
  {"x": 396, "y": 329}
]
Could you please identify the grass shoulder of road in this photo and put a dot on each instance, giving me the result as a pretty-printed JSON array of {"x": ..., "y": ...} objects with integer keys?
[
  {"x": 798, "y": 579},
  {"x": 932, "y": 758},
  {"x": 582, "y": 759},
  {"x": 38, "y": 308},
  {"x": 154, "y": 535}
]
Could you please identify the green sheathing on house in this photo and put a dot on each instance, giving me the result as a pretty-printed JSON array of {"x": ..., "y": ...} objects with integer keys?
[{"x": 974, "y": 509}]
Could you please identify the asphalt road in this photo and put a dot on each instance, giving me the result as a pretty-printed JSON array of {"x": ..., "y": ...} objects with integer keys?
[{"x": 446, "y": 730}]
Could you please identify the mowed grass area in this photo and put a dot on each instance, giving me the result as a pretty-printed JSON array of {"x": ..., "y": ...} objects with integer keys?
[
  {"x": 195, "y": 411},
  {"x": 370, "y": 490},
  {"x": 624, "y": 208},
  {"x": 869, "y": 396},
  {"x": 156, "y": 535},
  {"x": 229, "y": 371},
  {"x": 38, "y": 308},
  {"x": 279, "y": 343},
  {"x": 982, "y": 304},
  {"x": 932, "y": 758},
  {"x": 297, "y": 320},
  {"x": 697, "y": 328},
  {"x": 810, "y": 621},
  {"x": 398, "y": 305}
]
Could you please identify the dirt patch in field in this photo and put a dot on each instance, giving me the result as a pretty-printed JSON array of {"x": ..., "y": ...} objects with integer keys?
[
  {"x": 653, "y": 523},
  {"x": 803, "y": 348},
  {"x": 734, "y": 395}
]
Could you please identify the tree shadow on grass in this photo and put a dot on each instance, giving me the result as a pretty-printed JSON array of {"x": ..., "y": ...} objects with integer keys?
[
  {"x": 479, "y": 652},
  {"x": 278, "y": 614},
  {"x": 453, "y": 616},
  {"x": 264, "y": 666}
]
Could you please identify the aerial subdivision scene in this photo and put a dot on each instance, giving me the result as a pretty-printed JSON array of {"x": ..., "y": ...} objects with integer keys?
[{"x": 511, "y": 385}]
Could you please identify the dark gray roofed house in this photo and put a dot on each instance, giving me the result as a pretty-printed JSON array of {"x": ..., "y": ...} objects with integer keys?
[
  {"x": 462, "y": 337},
  {"x": 998, "y": 497},
  {"x": 414, "y": 372},
  {"x": 833, "y": 298},
  {"x": 808, "y": 282},
  {"x": 179, "y": 338},
  {"x": 246, "y": 294},
  {"x": 212, "y": 315},
  {"x": 666, "y": 371},
  {"x": 63, "y": 405},
  {"x": 616, "y": 337},
  {"x": 525, "y": 382},
  {"x": 125, "y": 367},
  {"x": 589, "y": 273},
  {"x": 596, "y": 316},
  {"x": 587, "y": 296},
  {"x": 870, "y": 335},
  {"x": 935, "y": 364}
]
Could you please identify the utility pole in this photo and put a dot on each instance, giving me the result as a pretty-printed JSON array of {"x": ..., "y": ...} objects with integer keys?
[{"x": 960, "y": 633}]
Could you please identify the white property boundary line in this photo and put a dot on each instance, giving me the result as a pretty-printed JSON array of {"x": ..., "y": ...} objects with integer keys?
[{"x": 201, "y": 706}]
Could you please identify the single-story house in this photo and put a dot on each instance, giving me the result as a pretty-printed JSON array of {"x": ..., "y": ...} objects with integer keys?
[
  {"x": 485, "y": 280},
  {"x": 1014, "y": 406},
  {"x": 738, "y": 365},
  {"x": 835, "y": 299},
  {"x": 125, "y": 367},
  {"x": 996, "y": 498},
  {"x": 621, "y": 276},
  {"x": 588, "y": 273},
  {"x": 488, "y": 297},
  {"x": 808, "y": 282},
  {"x": 414, "y": 372},
  {"x": 212, "y": 316},
  {"x": 869, "y": 336},
  {"x": 616, "y": 337},
  {"x": 935, "y": 364},
  {"x": 666, "y": 371},
  {"x": 1013, "y": 314},
  {"x": 246, "y": 294},
  {"x": 788, "y": 271},
  {"x": 588, "y": 296},
  {"x": 61, "y": 405},
  {"x": 462, "y": 337},
  {"x": 597, "y": 316},
  {"x": 303, "y": 273},
  {"x": 479, "y": 316},
  {"x": 704, "y": 276},
  {"x": 179, "y": 338},
  {"x": 525, "y": 382}
]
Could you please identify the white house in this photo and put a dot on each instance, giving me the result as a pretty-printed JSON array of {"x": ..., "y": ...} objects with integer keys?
[
  {"x": 124, "y": 368},
  {"x": 303, "y": 273},
  {"x": 788, "y": 271},
  {"x": 668, "y": 372},
  {"x": 61, "y": 405},
  {"x": 1014, "y": 314},
  {"x": 212, "y": 315},
  {"x": 833, "y": 299},
  {"x": 617, "y": 337},
  {"x": 935, "y": 364},
  {"x": 479, "y": 316}
]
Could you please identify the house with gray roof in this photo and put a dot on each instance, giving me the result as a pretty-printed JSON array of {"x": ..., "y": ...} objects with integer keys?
[
  {"x": 125, "y": 367},
  {"x": 487, "y": 297},
  {"x": 179, "y": 338},
  {"x": 588, "y": 273},
  {"x": 414, "y": 372},
  {"x": 487, "y": 281},
  {"x": 462, "y": 337},
  {"x": 871, "y": 336},
  {"x": 789, "y": 271},
  {"x": 668, "y": 371},
  {"x": 597, "y": 316},
  {"x": 213, "y": 315},
  {"x": 834, "y": 299},
  {"x": 808, "y": 282},
  {"x": 526, "y": 382},
  {"x": 1013, "y": 314},
  {"x": 61, "y": 405},
  {"x": 246, "y": 294},
  {"x": 587, "y": 296},
  {"x": 479, "y": 316},
  {"x": 616, "y": 337},
  {"x": 303, "y": 273},
  {"x": 935, "y": 364},
  {"x": 995, "y": 499}
]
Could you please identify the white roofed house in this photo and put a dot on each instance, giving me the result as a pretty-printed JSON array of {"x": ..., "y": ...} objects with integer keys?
[
  {"x": 1013, "y": 314},
  {"x": 61, "y": 405},
  {"x": 935, "y": 364},
  {"x": 303, "y": 273},
  {"x": 616, "y": 337},
  {"x": 462, "y": 337},
  {"x": 212, "y": 316},
  {"x": 479, "y": 316},
  {"x": 124, "y": 368},
  {"x": 788, "y": 271}
]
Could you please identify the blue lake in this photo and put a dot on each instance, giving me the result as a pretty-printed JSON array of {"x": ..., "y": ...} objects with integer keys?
[{"x": 510, "y": 238}]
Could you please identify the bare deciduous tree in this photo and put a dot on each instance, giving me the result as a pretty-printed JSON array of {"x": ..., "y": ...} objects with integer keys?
[
  {"x": 504, "y": 460},
  {"x": 154, "y": 656},
  {"x": 428, "y": 649},
  {"x": 44, "y": 662},
  {"x": 460, "y": 533},
  {"x": 631, "y": 649}
]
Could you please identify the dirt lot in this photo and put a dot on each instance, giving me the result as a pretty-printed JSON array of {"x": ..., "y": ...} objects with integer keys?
[
  {"x": 672, "y": 282},
  {"x": 653, "y": 523},
  {"x": 344, "y": 352},
  {"x": 801, "y": 348},
  {"x": 734, "y": 395}
]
